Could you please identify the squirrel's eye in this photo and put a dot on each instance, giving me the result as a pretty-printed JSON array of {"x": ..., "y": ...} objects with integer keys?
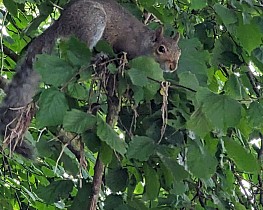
[{"x": 162, "y": 49}]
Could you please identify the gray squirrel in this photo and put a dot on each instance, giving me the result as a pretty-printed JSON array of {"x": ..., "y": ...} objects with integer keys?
[{"x": 89, "y": 21}]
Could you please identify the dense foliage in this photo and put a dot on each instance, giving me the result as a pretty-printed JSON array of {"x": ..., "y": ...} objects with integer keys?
[{"x": 187, "y": 140}]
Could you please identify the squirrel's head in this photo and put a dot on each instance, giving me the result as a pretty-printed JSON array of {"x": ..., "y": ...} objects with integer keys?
[{"x": 166, "y": 50}]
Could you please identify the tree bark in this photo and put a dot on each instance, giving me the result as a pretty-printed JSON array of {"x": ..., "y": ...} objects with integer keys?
[{"x": 112, "y": 116}]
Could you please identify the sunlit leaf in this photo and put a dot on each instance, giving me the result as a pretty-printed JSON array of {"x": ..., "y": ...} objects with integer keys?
[
  {"x": 244, "y": 36},
  {"x": 244, "y": 160}
]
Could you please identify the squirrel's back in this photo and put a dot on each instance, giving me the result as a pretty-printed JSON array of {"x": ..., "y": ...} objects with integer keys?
[{"x": 122, "y": 30}]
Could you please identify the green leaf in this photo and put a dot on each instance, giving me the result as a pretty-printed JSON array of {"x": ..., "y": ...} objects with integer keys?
[
  {"x": 258, "y": 53},
  {"x": 112, "y": 68},
  {"x": 11, "y": 6},
  {"x": 69, "y": 162},
  {"x": 136, "y": 203},
  {"x": 243, "y": 34},
  {"x": 91, "y": 140},
  {"x": 52, "y": 108},
  {"x": 179, "y": 188},
  {"x": 221, "y": 110},
  {"x": 140, "y": 148},
  {"x": 113, "y": 201},
  {"x": 139, "y": 188},
  {"x": 172, "y": 165},
  {"x": 80, "y": 200},
  {"x": 233, "y": 87},
  {"x": 53, "y": 70},
  {"x": 108, "y": 135},
  {"x": 245, "y": 161},
  {"x": 188, "y": 79},
  {"x": 148, "y": 67},
  {"x": 142, "y": 70},
  {"x": 117, "y": 179},
  {"x": 199, "y": 123},
  {"x": 103, "y": 46},
  {"x": 152, "y": 183},
  {"x": 138, "y": 94},
  {"x": 76, "y": 52},
  {"x": 224, "y": 52},
  {"x": 28, "y": 192},
  {"x": 47, "y": 171},
  {"x": 239, "y": 206},
  {"x": 138, "y": 77},
  {"x": 77, "y": 91},
  {"x": 255, "y": 113},
  {"x": 194, "y": 59},
  {"x": 200, "y": 162},
  {"x": 198, "y": 4},
  {"x": 35, "y": 23},
  {"x": 167, "y": 178},
  {"x": 105, "y": 153},
  {"x": 78, "y": 121},
  {"x": 228, "y": 16},
  {"x": 150, "y": 90},
  {"x": 55, "y": 191}
]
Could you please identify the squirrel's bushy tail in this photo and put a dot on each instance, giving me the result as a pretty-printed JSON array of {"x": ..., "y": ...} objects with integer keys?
[{"x": 16, "y": 111}]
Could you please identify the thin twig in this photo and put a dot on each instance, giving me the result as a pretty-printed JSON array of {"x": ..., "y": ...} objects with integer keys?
[
  {"x": 173, "y": 86},
  {"x": 248, "y": 197},
  {"x": 1, "y": 42},
  {"x": 113, "y": 112},
  {"x": 6, "y": 163},
  {"x": 10, "y": 53},
  {"x": 260, "y": 158},
  {"x": 253, "y": 83}
]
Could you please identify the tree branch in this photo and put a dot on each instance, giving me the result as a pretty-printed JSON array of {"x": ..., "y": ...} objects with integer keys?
[
  {"x": 113, "y": 112},
  {"x": 253, "y": 83},
  {"x": 7, "y": 166},
  {"x": 66, "y": 138},
  {"x": 260, "y": 158},
  {"x": 10, "y": 53}
]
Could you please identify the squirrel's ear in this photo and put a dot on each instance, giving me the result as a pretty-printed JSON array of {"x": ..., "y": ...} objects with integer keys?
[
  {"x": 159, "y": 33},
  {"x": 176, "y": 37}
]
